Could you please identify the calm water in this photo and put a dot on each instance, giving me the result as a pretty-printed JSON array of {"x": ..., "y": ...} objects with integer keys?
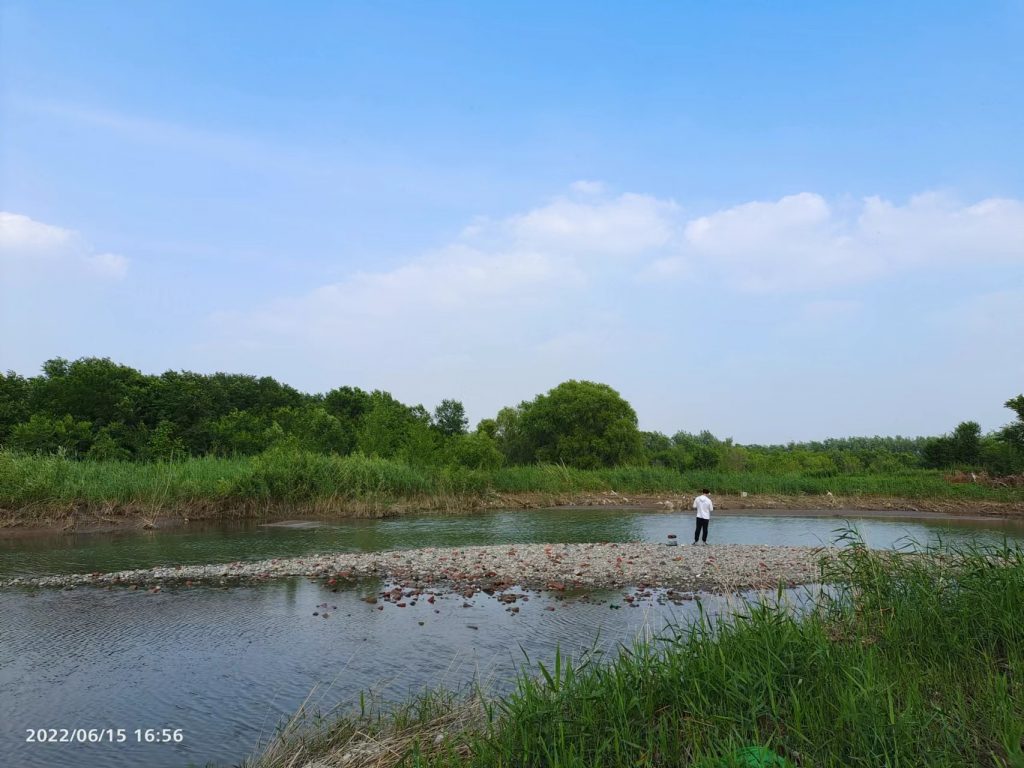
[
  {"x": 226, "y": 665},
  {"x": 85, "y": 553}
]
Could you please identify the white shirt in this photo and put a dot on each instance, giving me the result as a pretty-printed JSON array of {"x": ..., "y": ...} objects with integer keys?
[{"x": 703, "y": 506}]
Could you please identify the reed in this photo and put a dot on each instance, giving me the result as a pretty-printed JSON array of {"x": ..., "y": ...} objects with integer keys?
[{"x": 36, "y": 485}]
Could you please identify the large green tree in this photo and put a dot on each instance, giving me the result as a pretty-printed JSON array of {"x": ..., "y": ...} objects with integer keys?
[
  {"x": 14, "y": 406},
  {"x": 583, "y": 424},
  {"x": 450, "y": 418},
  {"x": 92, "y": 389},
  {"x": 1013, "y": 433}
]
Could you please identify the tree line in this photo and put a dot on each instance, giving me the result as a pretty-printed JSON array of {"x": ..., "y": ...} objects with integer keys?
[{"x": 94, "y": 408}]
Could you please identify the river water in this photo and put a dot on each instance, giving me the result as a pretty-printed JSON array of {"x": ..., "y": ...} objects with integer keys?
[{"x": 226, "y": 665}]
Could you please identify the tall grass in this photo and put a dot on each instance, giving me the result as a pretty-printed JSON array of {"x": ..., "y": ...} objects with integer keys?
[
  {"x": 908, "y": 661},
  {"x": 289, "y": 477}
]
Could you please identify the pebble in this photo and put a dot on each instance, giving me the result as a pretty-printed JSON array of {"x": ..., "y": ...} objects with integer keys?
[{"x": 554, "y": 567}]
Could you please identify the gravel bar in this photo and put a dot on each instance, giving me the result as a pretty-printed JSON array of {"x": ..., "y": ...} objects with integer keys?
[{"x": 710, "y": 568}]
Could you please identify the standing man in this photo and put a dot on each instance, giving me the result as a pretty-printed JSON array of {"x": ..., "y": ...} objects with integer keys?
[{"x": 704, "y": 509}]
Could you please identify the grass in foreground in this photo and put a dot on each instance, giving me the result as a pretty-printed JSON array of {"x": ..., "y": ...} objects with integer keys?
[
  {"x": 32, "y": 486},
  {"x": 910, "y": 661}
]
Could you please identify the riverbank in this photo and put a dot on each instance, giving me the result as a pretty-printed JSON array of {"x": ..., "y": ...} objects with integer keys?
[
  {"x": 468, "y": 570},
  {"x": 908, "y": 661},
  {"x": 52, "y": 492},
  {"x": 93, "y": 517}
]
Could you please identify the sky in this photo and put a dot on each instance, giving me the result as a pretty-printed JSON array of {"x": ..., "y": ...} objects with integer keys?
[{"x": 776, "y": 221}]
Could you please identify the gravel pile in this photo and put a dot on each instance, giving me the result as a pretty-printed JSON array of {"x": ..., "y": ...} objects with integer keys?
[{"x": 712, "y": 568}]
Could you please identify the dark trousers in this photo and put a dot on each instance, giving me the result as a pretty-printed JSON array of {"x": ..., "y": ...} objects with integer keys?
[{"x": 702, "y": 525}]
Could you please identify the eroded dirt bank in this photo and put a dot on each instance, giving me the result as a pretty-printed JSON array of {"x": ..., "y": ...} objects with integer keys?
[{"x": 88, "y": 517}]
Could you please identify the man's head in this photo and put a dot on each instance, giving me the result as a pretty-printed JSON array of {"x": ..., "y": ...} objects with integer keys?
[{"x": 705, "y": 491}]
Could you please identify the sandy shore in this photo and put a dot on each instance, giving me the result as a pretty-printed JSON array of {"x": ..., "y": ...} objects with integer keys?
[{"x": 714, "y": 568}]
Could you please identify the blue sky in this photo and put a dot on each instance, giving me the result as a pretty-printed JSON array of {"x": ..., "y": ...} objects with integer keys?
[{"x": 775, "y": 221}]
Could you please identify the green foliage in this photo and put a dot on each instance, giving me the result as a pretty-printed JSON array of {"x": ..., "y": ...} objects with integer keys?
[
  {"x": 385, "y": 427},
  {"x": 106, "y": 448},
  {"x": 475, "y": 451},
  {"x": 582, "y": 424},
  {"x": 1001, "y": 457},
  {"x": 962, "y": 448},
  {"x": 1013, "y": 433},
  {"x": 164, "y": 444},
  {"x": 95, "y": 408},
  {"x": 967, "y": 443},
  {"x": 91, "y": 389},
  {"x": 170, "y": 477},
  {"x": 313, "y": 428},
  {"x": 512, "y": 441},
  {"x": 294, "y": 476},
  {"x": 450, "y": 418},
  {"x": 421, "y": 445},
  {"x": 43, "y": 434},
  {"x": 243, "y": 433},
  {"x": 349, "y": 404},
  {"x": 14, "y": 405}
]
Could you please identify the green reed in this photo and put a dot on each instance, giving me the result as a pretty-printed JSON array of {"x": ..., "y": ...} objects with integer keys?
[{"x": 287, "y": 476}]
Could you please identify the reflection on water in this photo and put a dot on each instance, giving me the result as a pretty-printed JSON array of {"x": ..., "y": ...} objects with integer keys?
[
  {"x": 85, "y": 553},
  {"x": 227, "y": 665}
]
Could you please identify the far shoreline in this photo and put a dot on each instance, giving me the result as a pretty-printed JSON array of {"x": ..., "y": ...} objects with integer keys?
[{"x": 89, "y": 518}]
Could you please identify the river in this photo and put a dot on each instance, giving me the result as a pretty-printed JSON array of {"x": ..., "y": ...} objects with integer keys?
[{"x": 226, "y": 665}]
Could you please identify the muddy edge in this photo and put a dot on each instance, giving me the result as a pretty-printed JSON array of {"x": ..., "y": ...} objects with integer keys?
[{"x": 86, "y": 518}]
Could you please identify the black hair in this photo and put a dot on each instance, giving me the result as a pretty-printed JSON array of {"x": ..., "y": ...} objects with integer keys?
[{"x": 706, "y": 491}]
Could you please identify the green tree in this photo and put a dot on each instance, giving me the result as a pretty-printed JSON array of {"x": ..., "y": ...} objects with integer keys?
[
  {"x": 583, "y": 424},
  {"x": 105, "y": 447},
  {"x": 421, "y": 443},
  {"x": 43, "y": 434},
  {"x": 164, "y": 444},
  {"x": 91, "y": 389},
  {"x": 512, "y": 441},
  {"x": 312, "y": 428},
  {"x": 967, "y": 443},
  {"x": 385, "y": 427},
  {"x": 938, "y": 453},
  {"x": 450, "y": 418},
  {"x": 1013, "y": 433},
  {"x": 242, "y": 433},
  {"x": 962, "y": 448},
  {"x": 14, "y": 402},
  {"x": 474, "y": 451}
]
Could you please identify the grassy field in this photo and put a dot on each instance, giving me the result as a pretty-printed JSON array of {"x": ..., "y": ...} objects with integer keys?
[
  {"x": 909, "y": 662},
  {"x": 36, "y": 486}
]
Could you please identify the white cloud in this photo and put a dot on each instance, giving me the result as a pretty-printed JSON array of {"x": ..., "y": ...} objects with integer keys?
[
  {"x": 540, "y": 260},
  {"x": 628, "y": 225},
  {"x": 800, "y": 242},
  {"x": 934, "y": 229},
  {"x": 20, "y": 233},
  {"x": 33, "y": 250}
]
